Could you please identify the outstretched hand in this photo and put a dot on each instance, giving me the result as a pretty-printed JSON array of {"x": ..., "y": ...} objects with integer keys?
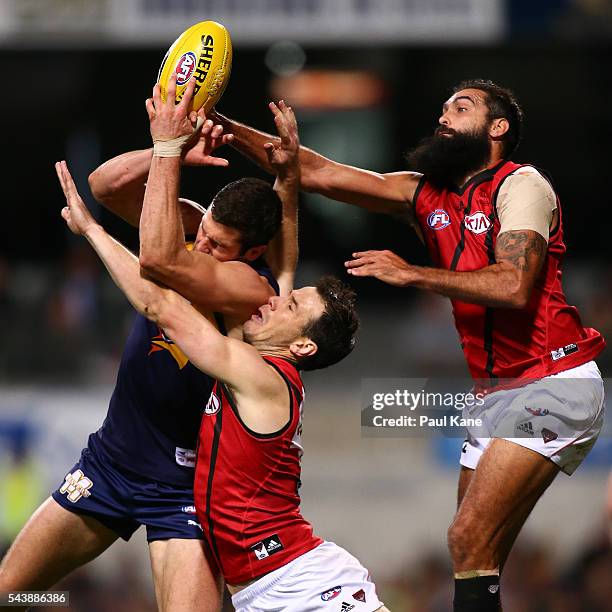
[
  {"x": 197, "y": 151},
  {"x": 383, "y": 265},
  {"x": 75, "y": 213},
  {"x": 167, "y": 119},
  {"x": 283, "y": 155},
  {"x": 188, "y": 133}
]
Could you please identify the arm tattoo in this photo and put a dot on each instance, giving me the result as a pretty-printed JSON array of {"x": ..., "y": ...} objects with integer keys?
[{"x": 517, "y": 246}]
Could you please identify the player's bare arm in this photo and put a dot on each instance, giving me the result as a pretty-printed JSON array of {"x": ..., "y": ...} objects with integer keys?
[
  {"x": 390, "y": 193},
  {"x": 519, "y": 256},
  {"x": 283, "y": 156},
  {"x": 119, "y": 183},
  {"x": 232, "y": 288},
  {"x": 231, "y": 361},
  {"x": 260, "y": 392}
]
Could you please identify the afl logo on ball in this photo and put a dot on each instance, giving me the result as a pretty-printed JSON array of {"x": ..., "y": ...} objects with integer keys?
[
  {"x": 438, "y": 219},
  {"x": 213, "y": 405},
  {"x": 478, "y": 223},
  {"x": 185, "y": 67}
]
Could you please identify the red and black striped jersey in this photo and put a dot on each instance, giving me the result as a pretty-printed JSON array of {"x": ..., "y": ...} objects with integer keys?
[
  {"x": 155, "y": 411},
  {"x": 246, "y": 485},
  {"x": 545, "y": 337}
]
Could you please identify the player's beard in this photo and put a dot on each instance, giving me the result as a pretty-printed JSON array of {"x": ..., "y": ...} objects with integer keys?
[{"x": 446, "y": 161}]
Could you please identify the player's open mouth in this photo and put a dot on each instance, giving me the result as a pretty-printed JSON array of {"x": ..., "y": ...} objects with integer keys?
[
  {"x": 445, "y": 133},
  {"x": 258, "y": 316}
]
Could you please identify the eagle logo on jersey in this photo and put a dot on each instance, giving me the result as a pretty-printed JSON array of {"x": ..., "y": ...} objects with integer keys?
[
  {"x": 161, "y": 342},
  {"x": 438, "y": 219}
]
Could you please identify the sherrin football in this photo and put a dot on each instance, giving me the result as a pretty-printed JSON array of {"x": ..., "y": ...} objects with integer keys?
[{"x": 202, "y": 52}]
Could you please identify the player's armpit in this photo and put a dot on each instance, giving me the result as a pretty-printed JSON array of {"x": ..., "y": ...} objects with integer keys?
[
  {"x": 263, "y": 399},
  {"x": 524, "y": 251}
]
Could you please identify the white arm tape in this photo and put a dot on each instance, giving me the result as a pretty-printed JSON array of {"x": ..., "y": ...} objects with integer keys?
[{"x": 174, "y": 147}]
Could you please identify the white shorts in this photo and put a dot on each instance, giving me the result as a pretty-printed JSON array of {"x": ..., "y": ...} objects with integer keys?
[
  {"x": 326, "y": 578},
  {"x": 559, "y": 417}
]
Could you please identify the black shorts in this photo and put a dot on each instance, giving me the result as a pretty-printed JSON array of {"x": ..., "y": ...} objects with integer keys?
[{"x": 122, "y": 501}]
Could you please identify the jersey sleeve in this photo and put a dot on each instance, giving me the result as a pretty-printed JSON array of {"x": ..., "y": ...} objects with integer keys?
[{"x": 526, "y": 201}]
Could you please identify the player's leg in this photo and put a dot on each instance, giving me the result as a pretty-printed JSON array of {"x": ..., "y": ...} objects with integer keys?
[
  {"x": 182, "y": 576},
  {"x": 502, "y": 491},
  {"x": 52, "y": 543},
  {"x": 465, "y": 477}
]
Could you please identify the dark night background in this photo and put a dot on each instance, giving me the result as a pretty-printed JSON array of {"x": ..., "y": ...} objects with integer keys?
[
  {"x": 565, "y": 92},
  {"x": 64, "y": 323}
]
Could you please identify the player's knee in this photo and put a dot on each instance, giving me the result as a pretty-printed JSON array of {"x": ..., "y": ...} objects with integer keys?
[
  {"x": 467, "y": 545},
  {"x": 470, "y": 548},
  {"x": 456, "y": 538}
]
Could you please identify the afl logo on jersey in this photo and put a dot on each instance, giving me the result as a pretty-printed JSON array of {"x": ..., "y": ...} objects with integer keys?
[
  {"x": 438, "y": 219},
  {"x": 213, "y": 405},
  {"x": 478, "y": 223}
]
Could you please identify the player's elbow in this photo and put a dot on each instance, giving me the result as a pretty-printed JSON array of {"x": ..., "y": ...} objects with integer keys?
[
  {"x": 518, "y": 302},
  {"x": 154, "y": 264},
  {"x": 151, "y": 309},
  {"x": 157, "y": 306},
  {"x": 96, "y": 185},
  {"x": 518, "y": 296},
  {"x": 101, "y": 188},
  {"x": 152, "y": 268},
  {"x": 316, "y": 172}
]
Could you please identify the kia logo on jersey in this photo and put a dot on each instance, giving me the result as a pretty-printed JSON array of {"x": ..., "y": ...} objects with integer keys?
[
  {"x": 478, "y": 223},
  {"x": 438, "y": 219}
]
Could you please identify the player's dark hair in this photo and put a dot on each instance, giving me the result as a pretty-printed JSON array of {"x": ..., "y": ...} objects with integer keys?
[
  {"x": 501, "y": 102},
  {"x": 251, "y": 206},
  {"x": 334, "y": 331}
]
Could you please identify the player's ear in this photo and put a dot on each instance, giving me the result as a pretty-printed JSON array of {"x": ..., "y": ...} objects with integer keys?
[
  {"x": 254, "y": 252},
  {"x": 303, "y": 347},
  {"x": 498, "y": 127}
]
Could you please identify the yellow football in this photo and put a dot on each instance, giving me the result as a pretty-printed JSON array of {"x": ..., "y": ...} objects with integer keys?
[{"x": 202, "y": 52}]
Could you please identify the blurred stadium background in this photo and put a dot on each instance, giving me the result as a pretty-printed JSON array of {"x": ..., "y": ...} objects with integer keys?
[{"x": 367, "y": 79}]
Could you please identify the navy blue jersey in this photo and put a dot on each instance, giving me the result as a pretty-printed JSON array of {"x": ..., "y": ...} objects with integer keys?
[{"x": 154, "y": 415}]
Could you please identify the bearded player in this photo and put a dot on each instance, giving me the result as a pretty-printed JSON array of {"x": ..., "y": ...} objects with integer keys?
[
  {"x": 138, "y": 469},
  {"x": 248, "y": 467},
  {"x": 494, "y": 230}
]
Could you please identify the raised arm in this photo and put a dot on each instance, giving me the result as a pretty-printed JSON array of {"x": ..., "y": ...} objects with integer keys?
[
  {"x": 119, "y": 183},
  {"x": 232, "y": 288},
  {"x": 390, "y": 193},
  {"x": 231, "y": 361},
  {"x": 283, "y": 156}
]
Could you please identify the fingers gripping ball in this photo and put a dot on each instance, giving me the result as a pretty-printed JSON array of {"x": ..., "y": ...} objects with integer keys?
[{"x": 202, "y": 52}]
